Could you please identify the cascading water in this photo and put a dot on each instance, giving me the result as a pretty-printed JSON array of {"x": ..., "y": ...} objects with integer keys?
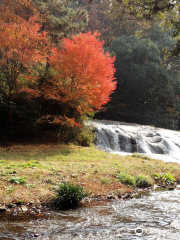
[{"x": 124, "y": 138}]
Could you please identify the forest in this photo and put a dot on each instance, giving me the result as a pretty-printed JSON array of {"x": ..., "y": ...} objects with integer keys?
[{"x": 63, "y": 62}]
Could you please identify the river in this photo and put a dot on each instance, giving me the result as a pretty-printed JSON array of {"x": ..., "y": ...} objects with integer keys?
[{"x": 154, "y": 215}]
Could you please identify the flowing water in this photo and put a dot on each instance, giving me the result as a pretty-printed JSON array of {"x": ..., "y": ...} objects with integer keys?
[
  {"x": 124, "y": 138},
  {"x": 156, "y": 213}
]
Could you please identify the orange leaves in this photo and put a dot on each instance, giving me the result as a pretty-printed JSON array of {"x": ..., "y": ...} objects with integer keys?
[
  {"x": 84, "y": 72},
  {"x": 14, "y": 10},
  {"x": 22, "y": 41},
  {"x": 59, "y": 120},
  {"x": 22, "y": 46}
]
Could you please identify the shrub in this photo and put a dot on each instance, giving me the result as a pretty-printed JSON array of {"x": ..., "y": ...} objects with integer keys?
[
  {"x": 82, "y": 136},
  {"x": 68, "y": 195},
  {"x": 164, "y": 178},
  {"x": 143, "y": 181},
  {"x": 126, "y": 179}
]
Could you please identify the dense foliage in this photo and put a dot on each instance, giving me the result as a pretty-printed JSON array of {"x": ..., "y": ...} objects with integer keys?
[
  {"x": 52, "y": 82},
  {"x": 146, "y": 88},
  {"x": 54, "y": 71}
]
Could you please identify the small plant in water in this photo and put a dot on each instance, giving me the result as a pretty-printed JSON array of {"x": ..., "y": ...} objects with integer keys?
[
  {"x": 126, "y": 179},
  {"x": 68, "y": 195},
  {"x": 164, "y": 178},
  {"x": 143, "y": 181},
  {"x": 17, "y": 180}
]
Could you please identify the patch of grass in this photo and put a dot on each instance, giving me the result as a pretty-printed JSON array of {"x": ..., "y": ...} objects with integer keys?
[
  {"x": 69, "y": 195},
  {"x": 19, "y": 201},
  {"x": 49, "y": 181},
  {"x": 9, "y": 189},
  {"x": 143, "y": 181},
  {"x": 126, "y": 178},
  {"x": 28, "y": 165},
  {"x": 58, "y": 162},
  {"x": 2, "y": 161},
  {"x": 30, "y": 185},
  {"x": 9, "y": 172},
  {"x": 105, "y": 180},
  {"x": 139, "y": 155},
  {"x": 17, "y": 180},
  {"x": 164, "y": 178}
]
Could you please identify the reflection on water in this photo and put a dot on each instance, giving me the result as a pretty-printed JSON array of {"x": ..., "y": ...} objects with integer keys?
[{"x": 156, "y": 213}]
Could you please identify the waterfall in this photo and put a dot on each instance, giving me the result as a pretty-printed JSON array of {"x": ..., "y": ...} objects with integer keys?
[{"x": 125, "y": 138}]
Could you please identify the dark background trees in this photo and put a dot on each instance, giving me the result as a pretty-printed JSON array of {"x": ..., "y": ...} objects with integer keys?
[{"x": 147, "y": 85}]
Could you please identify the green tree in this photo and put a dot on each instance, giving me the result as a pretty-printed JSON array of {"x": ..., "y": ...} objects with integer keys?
[
  {"x": 144, "y": 93},
  {"x": 60, "y": 18}
]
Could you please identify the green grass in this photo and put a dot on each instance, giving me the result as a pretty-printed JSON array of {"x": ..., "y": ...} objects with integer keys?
[
  {"x": 126, "y": 178},
  {"x": 46, "y": 166},
  {"x": 139, "y": 155},
  {"x": 105, "y": 180},
  {"x": 143, "y": 181},
  {"x": 17, "y": 180}
]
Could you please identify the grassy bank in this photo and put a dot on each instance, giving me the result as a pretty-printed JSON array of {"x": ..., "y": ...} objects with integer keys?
[{"x": 29, "y": 173}]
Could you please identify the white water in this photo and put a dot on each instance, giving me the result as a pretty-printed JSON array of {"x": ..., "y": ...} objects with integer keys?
[
  {"x": 157, "y": 213},
  {"x": 124, "y": 138}
]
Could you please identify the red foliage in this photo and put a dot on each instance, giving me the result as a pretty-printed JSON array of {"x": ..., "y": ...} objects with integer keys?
[
  {"x": 84, "y": 72},
  {"x": 22, "y": 43}
]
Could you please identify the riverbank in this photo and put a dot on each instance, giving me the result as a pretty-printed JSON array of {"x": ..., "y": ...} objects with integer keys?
[{"x": 30, "y": 173}]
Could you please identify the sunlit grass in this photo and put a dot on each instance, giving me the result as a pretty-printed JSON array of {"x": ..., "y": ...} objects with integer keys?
[{"x": 45, "y": 166}]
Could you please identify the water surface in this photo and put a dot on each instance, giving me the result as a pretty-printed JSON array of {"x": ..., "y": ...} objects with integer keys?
[{"x": 157, "y": 213}]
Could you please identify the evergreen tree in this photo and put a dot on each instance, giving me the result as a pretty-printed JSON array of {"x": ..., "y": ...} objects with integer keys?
[
  {"x": 60, "y": 18},
  {"x": 145, "y": 92}
]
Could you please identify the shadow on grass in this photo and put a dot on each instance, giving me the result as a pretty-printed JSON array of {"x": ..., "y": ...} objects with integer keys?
[{"x": 31, "y": 152}]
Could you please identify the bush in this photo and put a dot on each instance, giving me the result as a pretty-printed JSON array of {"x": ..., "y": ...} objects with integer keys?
[
  {"x": 164, "y": 178},
  {"x": 85, "y": 136},
  {"x": 126, "y": 179},
  {"x": 143, "y": 181},
  {"x": 68, "y": 195}
]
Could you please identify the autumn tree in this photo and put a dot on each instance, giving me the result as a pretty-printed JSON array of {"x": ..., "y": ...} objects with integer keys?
[
  {"x": 13, "y": 8},
  {"x": 21, "y": 47},
  {"x": 83, "y": 77}
]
